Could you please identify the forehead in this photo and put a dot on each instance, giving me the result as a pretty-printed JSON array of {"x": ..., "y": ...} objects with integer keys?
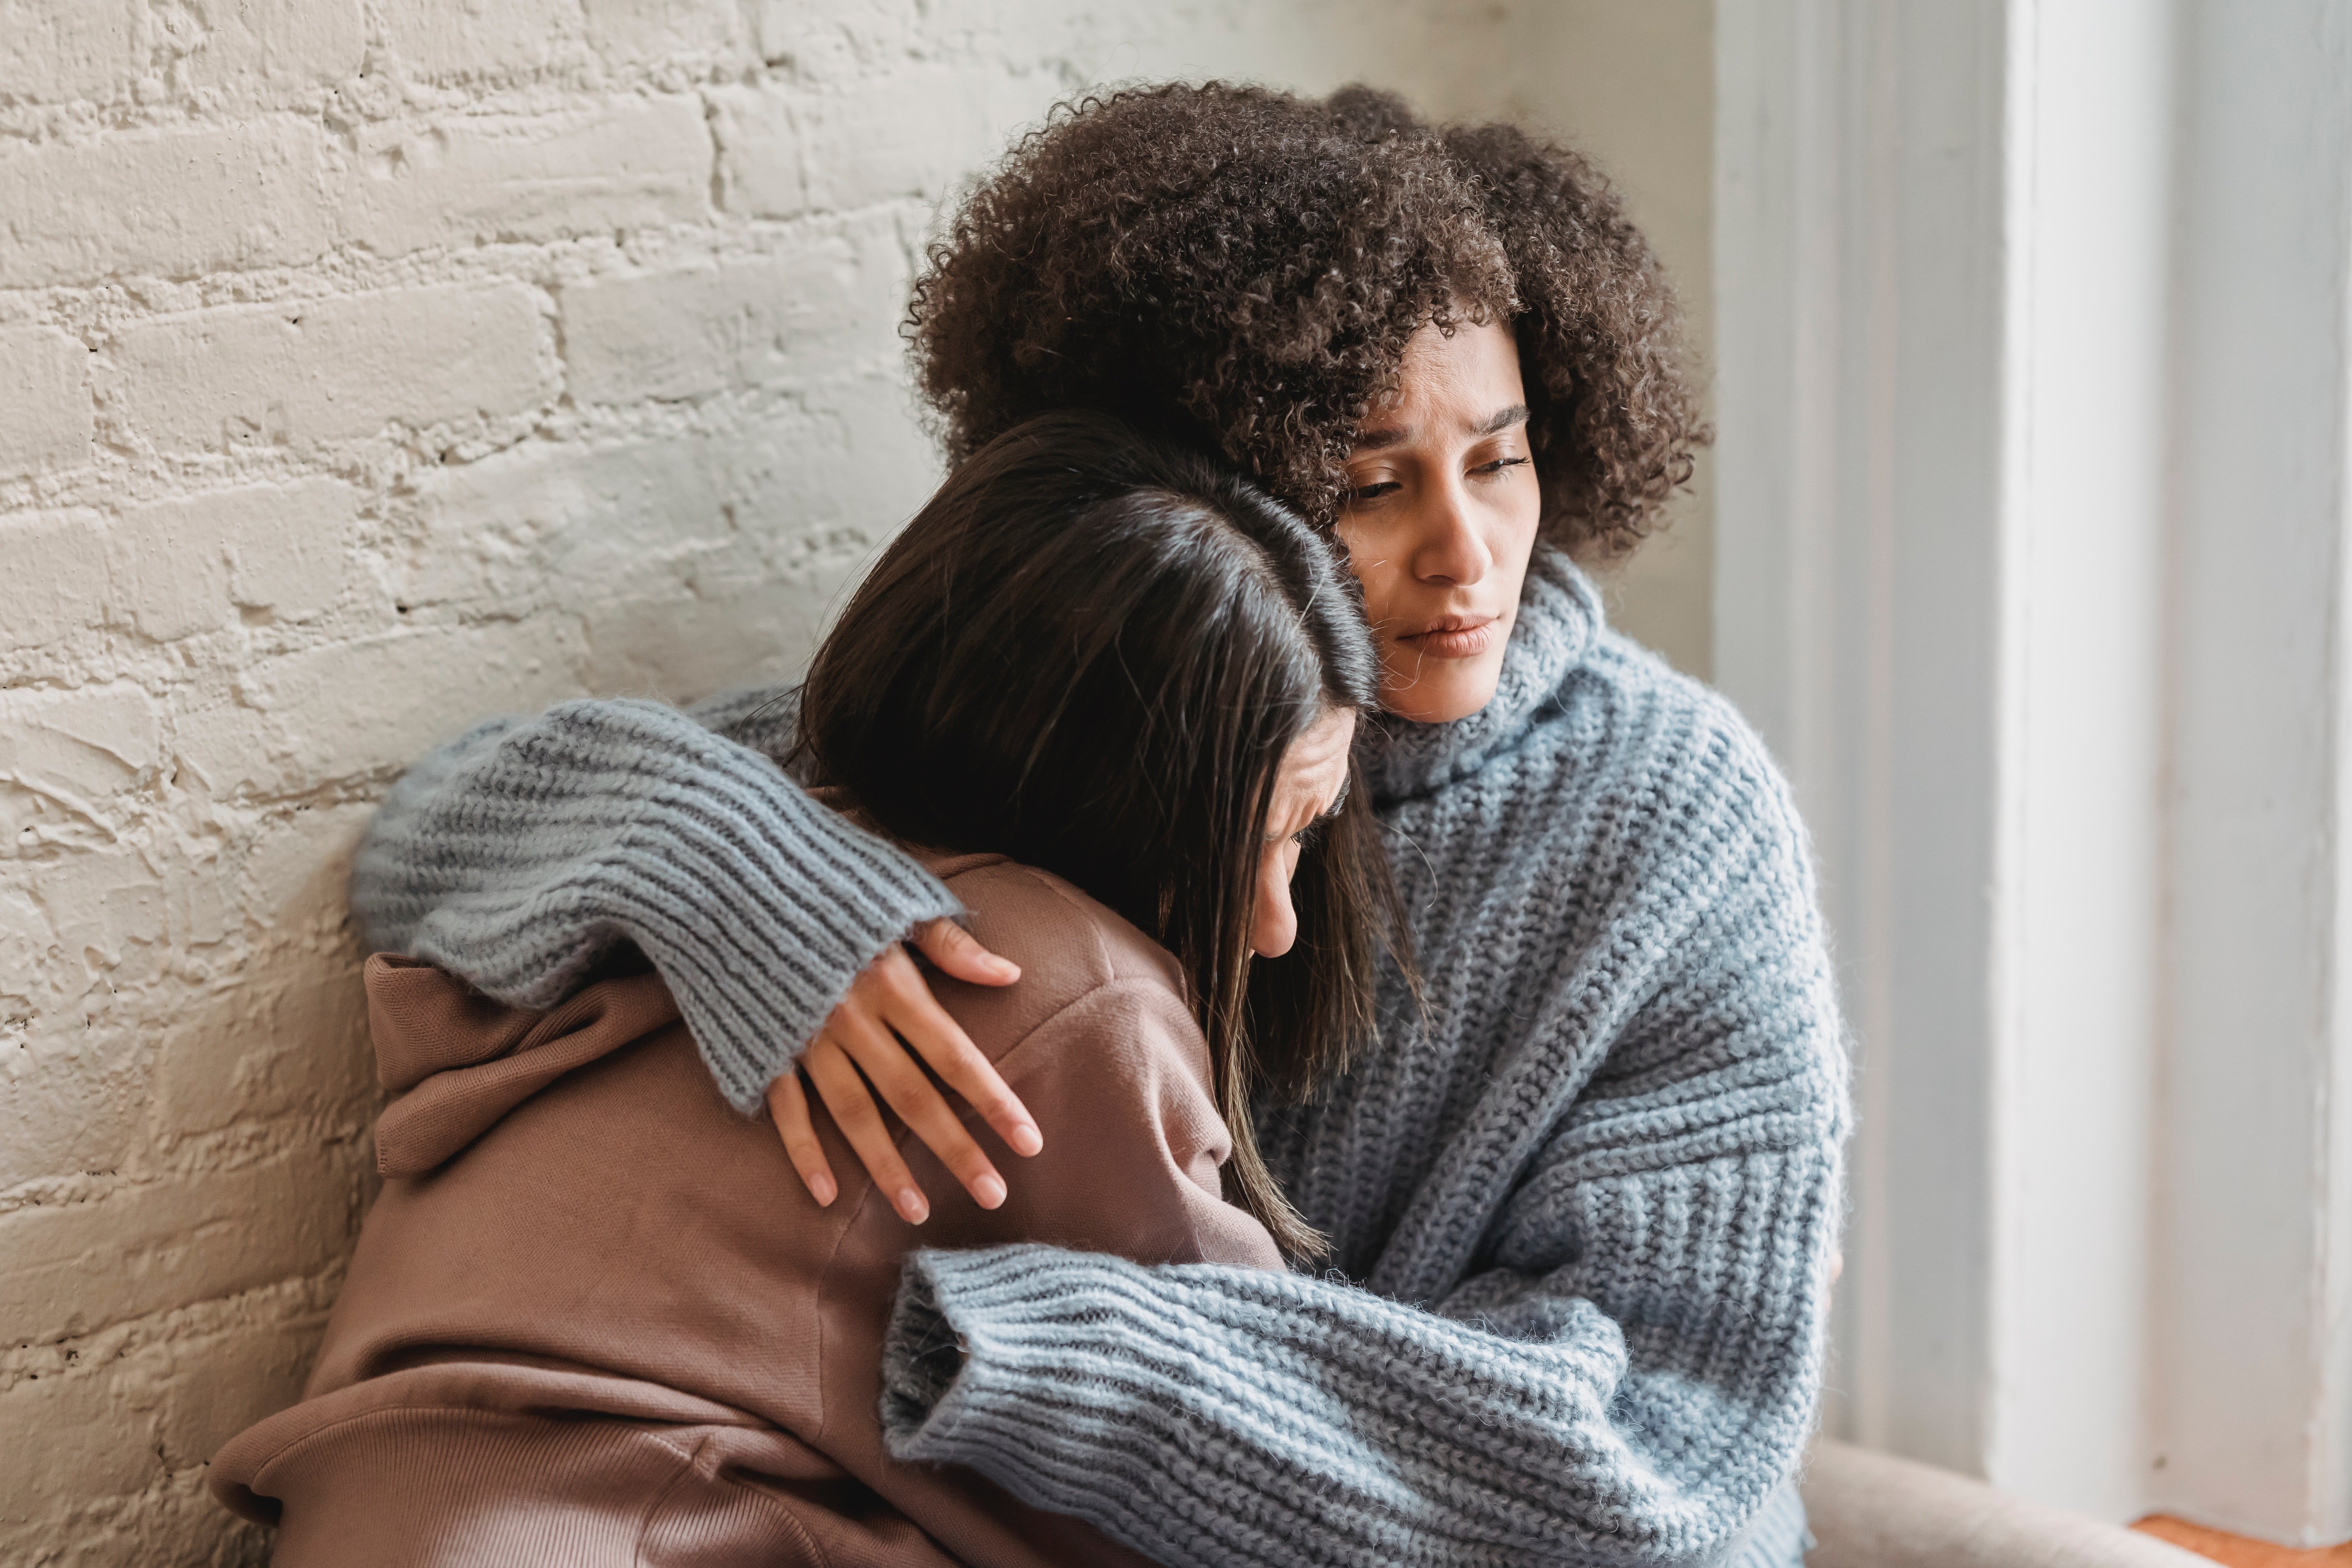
[
  {"x": 1449, "y": 379},
  {"x": 1317, "y": 762}
]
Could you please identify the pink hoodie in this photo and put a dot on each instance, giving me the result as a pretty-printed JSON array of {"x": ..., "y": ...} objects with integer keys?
[{"x": 594, "y": 1318}]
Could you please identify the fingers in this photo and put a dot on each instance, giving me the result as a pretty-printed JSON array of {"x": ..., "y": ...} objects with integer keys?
[
  {"x": 789, "y": 1106},
  {"x": 860, "y": 1120},
  {"x": 914, "y": 1014},
  {"x": 904, "y": 1088},
  {"x": 869, "y": 1047},
  {"x": 957, "y": 952}
]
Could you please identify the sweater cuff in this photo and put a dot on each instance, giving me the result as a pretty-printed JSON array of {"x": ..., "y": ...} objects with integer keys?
[
  {"x": 750, "y": 1028},
  {"x": 760, "y": 907},
  {"x": 921, "y": 1354},
  {"x": 1024, "y": 1360},
  {"x": 932, "y": 1384}
]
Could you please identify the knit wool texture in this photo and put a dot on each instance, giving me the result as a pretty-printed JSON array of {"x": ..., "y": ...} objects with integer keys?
[
  {"x": 1582, "y": 1197},
  {"x": 520, "y": 853}
]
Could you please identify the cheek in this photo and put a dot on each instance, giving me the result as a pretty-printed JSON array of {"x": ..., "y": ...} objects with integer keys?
[
  {"x": 1370, "y": 559},
  {"x": 1512, "y": 536},
  {"x": 1384, "y": 596},
  {"x": 1526, "y": 514}
]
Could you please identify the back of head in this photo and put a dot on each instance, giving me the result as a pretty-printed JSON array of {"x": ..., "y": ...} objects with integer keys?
[{"x": 1089, "y": 652}]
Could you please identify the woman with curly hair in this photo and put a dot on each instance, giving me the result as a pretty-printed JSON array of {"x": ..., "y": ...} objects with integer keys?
[{"x": 1578, "y": 1197}]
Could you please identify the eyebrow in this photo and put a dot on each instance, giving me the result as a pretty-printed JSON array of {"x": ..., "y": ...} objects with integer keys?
[
  {"x": 1395, "y": 435},
  {"x": 1339, "y": 800},
  {"x": 1333, "y": 810},
  {"x": 1328, "y": 813},
  {"x": 1502, "y": 419}
]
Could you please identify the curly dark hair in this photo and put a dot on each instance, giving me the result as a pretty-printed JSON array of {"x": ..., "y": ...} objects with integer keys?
[{"x": 1242, "y": 267}]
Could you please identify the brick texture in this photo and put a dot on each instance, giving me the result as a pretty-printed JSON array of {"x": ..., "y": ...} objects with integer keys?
[
  {"x": 45, "y": 409},
  {"x": 369, "y": 367},
  {"x": 238, "y": 196},
  {"x": 63, "y": 52}
]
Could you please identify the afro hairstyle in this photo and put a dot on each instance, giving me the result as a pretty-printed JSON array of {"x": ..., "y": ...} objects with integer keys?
[{"x": 1242, "y": 267}]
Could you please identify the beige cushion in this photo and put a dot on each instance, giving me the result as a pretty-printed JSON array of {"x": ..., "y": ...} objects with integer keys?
[{"x": 1870, "y": 1511}]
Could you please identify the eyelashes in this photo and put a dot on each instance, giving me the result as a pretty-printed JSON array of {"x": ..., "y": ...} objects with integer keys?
[{"x": 1372, "y": 492}]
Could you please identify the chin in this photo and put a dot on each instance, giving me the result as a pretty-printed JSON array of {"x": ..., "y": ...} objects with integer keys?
[{"x": 1442, "y": 699}]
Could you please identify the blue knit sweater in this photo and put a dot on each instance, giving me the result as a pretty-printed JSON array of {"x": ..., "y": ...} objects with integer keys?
[{"x": 1583, "y": 1200}]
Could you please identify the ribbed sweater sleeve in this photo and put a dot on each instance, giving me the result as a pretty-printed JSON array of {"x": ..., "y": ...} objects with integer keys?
[
  {"x": 1210, "y": 1415},
  {"x": 1620, "y": 1368},
  {"x": 518, "y": 853}
]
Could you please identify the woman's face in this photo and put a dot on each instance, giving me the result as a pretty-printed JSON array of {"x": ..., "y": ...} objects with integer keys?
[
  {"x": 1307, "y": 788},
  {"x": 1441, "y": 518}
]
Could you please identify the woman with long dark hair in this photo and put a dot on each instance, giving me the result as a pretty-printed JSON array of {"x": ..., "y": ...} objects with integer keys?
[{"x": 1105, "y": 691}]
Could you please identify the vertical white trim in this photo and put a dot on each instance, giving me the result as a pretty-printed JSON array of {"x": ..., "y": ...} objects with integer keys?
[
  {"x": 1944, "y": 270},
  {"x": 2253, "y": 1364},
  {"x": 2083, "y": 530},
  {"x": 2008, "y": 965},
  {"x": 1860, "y": 350},
  {"x": 2034, "y": 567}
]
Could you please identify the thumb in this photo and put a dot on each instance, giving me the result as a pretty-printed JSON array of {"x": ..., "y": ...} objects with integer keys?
[{"x": 957, "y": 952}]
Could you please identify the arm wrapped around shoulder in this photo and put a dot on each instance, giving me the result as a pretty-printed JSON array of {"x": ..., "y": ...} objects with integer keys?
[
  {"x": 516, "y": 854},
  {"x": 1212, "y": 1415}
]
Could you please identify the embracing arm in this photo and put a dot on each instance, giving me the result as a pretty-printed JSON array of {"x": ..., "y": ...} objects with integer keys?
[
  {"x": 1220, "y": 1416},
  {"x": 1627, "y": 1378},
  {"x": 516, "y": 854}
]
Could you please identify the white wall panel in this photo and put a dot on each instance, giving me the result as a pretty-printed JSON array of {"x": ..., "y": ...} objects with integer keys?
[
  {"x": 2032, "y": 565},
  {"x": 2254, "y": 1311}
]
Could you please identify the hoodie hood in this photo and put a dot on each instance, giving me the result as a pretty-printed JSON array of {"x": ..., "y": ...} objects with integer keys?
[{"x": 460, "y": 1061}]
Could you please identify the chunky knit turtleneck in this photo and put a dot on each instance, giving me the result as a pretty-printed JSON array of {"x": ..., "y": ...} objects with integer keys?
[{"x": 1581, "y": 1196}]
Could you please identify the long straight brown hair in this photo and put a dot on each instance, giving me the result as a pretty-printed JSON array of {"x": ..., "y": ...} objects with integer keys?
[{"x": 1089, "y": 652}]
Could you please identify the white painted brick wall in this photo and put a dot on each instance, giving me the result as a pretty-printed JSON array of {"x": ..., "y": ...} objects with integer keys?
[
  {"x": 368, "y": 367},
  {"x": 45, "y": 409}
]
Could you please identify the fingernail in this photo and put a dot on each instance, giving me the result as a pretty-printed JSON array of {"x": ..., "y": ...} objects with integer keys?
[
  {"x": 1007, "y": 968},
  {"x": 989, "y": 1191},
  {"x": 1026, "y": 1140},
  {"x": 821, "y": 1189},
  {"x": 911, "y": 1206}
]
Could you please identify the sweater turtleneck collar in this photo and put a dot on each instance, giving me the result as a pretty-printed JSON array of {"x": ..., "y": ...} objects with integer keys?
[{"x": 1560, "y": 614}]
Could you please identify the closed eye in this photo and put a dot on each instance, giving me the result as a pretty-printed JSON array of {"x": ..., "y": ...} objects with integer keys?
[{"x": 1311, "y": 835}]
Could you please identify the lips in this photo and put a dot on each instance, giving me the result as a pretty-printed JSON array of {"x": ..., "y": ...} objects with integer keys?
[{"x": 1453, "y": 637}]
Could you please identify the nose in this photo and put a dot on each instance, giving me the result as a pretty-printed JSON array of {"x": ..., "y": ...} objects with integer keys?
[
  {"x": 1274, "y": 923},
  {"x": 1448, "y": 549}
]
